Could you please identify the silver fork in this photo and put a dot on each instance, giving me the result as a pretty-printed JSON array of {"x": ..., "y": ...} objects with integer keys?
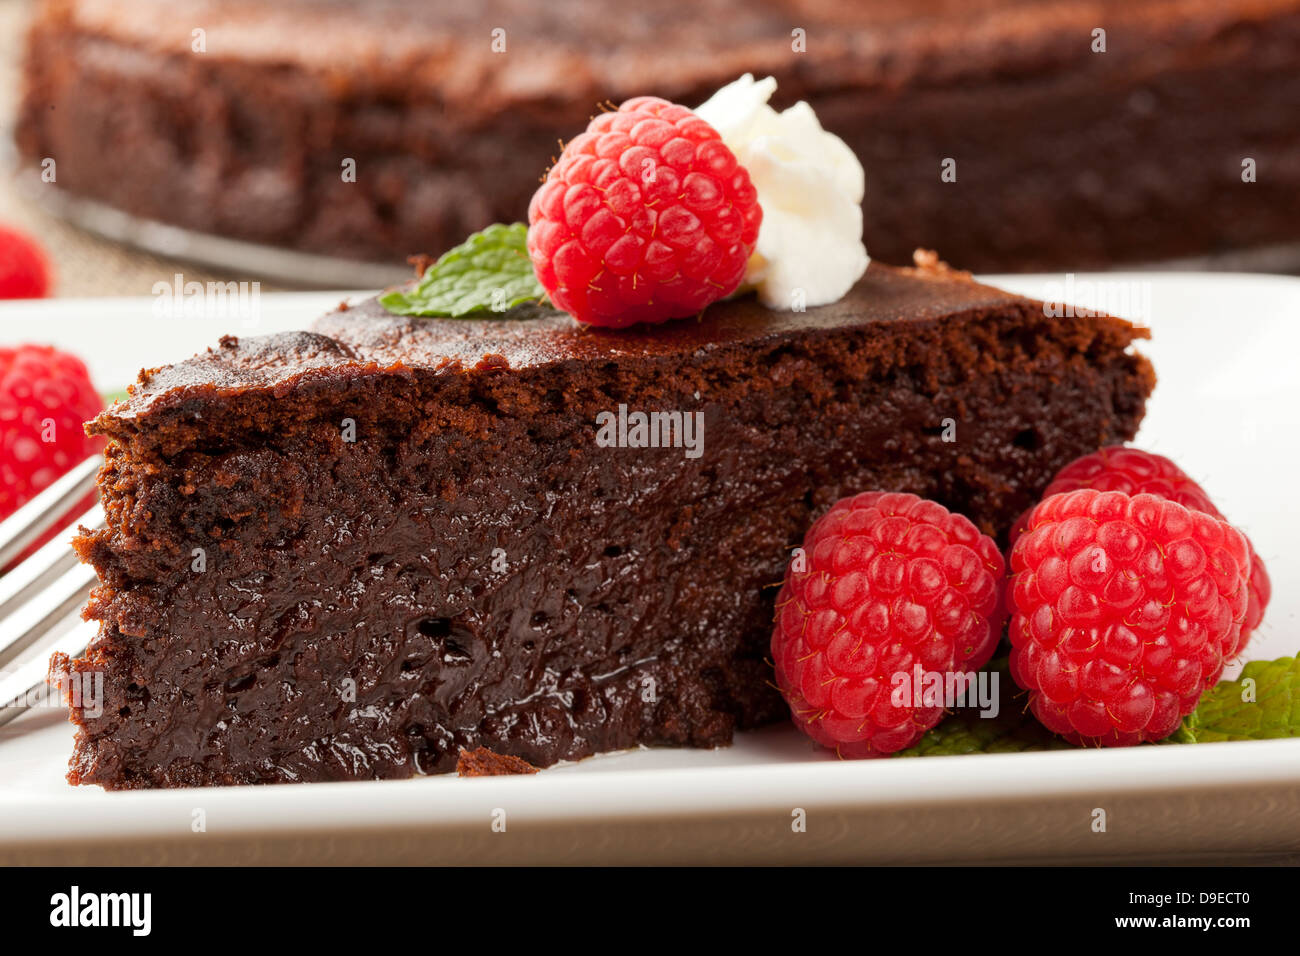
[{"x": 39, "y": 597}]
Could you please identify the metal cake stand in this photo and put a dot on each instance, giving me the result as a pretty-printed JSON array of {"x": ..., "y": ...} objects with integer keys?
[{"x": 273, "y": 263}]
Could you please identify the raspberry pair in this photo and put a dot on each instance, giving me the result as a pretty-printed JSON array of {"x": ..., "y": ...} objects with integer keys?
[{"x": 1128, "y": 594}]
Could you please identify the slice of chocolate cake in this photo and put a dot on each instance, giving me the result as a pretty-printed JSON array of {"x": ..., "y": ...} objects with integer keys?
[{"x": 354, "y": 552}]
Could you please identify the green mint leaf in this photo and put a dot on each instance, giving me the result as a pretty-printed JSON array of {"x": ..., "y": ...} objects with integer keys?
[
  {"x": 1013, "y": 730},
  {"x": 488, "y": 272},
  {"x": 1262, "y": 704}
]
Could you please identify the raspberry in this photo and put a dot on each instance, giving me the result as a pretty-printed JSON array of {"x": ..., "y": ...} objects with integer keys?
[
  {"x": 1125, "y": 608},
  {"x": 1134, "y": 471},
  {"x": 45, "y": 397},
  {"x": 888, "y": 583},
  {"x": 647, "y": 216},
  {"x": 24, "y": 270}
]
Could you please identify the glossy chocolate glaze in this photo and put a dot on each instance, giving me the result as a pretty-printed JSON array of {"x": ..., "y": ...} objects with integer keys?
[
  {"x": 482, "y": 571},
  {"x": 369, "y": 340}
]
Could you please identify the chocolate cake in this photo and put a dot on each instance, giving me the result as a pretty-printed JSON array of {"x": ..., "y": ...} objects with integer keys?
[
  {"x": 1068, "y": 149},
  {"x": 355, "y": 552},
  {"x": 485, "y": 763}
]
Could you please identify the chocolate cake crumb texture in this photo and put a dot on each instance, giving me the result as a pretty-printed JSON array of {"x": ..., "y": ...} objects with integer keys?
[
  {"x": 356, "y": 552},
  {"x": 484, "y": 763}
]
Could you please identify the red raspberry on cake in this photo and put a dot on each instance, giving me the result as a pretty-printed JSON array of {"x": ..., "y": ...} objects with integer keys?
[
  {"x": 46, "y": 396},
  {"x": 24, "y": 269},
  {"x": 1133, "y": 471},
  {"x": 1125, "y": 609},
  {"x": 886, "y": 584},
  {"x": 647, "y": 216}
]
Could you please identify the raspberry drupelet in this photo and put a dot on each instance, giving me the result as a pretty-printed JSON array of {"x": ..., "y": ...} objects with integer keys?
[
  {"x": 24, "y": 267},
  {"x": 647, "y": 216},
  {"x": 1134, "y": 471},
  {"x": 45, "y": 398},
  {"x": 887, "y": 583},
  {"x": 1126, "y": 608}
]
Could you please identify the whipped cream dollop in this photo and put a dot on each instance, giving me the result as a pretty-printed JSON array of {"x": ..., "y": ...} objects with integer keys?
[{"x": 810, "y": 186}]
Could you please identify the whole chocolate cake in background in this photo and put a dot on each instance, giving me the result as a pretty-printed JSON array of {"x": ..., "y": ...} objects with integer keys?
[{"x": 1070, "y": 148}]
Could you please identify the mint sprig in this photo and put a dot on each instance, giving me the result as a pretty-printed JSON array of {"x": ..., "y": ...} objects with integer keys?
[
  {"x": 1262, "y": 704},
  {"x": 1013, "y": 730},
  {"x": 488, "y": 272}
]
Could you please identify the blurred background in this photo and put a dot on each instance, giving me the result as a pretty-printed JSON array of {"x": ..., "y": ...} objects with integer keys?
[
  {"x": 318, "y": 143},
  {"x": 83, "y": 264}
]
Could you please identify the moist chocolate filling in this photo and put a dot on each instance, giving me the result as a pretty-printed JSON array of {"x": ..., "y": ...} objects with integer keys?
[{"x": 473, "y": 569}]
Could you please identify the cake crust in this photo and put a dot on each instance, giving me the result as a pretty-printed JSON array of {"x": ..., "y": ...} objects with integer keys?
[{"x": 367, "y": 339}]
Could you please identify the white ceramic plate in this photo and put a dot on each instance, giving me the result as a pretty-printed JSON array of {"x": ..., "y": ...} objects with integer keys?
[{"x": 1225, "y": 349}]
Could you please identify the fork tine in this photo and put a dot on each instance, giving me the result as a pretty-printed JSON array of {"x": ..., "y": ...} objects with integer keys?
[
  {"x": 39, "y": 596},
  {"x": 36, "y": 618},
  {"x": 25, "y": 580},
  {"x": 26, "y": 687},
  {"x": 37, "y": 516}
]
